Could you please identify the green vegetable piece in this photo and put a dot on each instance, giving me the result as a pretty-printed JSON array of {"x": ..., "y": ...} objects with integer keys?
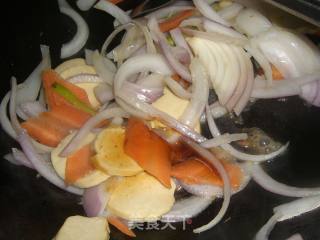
[{"x": 72, "y": 99}]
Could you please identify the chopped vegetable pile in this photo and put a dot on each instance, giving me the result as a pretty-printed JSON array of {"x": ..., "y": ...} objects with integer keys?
[{"x": 122, "y": 128}]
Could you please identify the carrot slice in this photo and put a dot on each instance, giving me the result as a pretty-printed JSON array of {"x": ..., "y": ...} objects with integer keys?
[
  {"x": 45, "y": 133},
  {"x": 116, "y": 222},
  {"x": 150, "y": 151},
  {"x": 196, "y": 171},
  {"x": 49, "y": 77},
  {"x": 175, "y": 21},
  {"x": 79, "y": 164},
  {"x": 276, "y": 74},
  {"x": 115, "y": 1}
]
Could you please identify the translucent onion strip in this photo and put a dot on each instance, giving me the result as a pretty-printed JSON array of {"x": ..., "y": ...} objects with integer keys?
[
  {"x": 271, "y": 185},
  {"x": 85, "y": 5},
  {"x": 114, "y": 11},
  {"x": 223, "y": 139},
  {"x": 80, "y": 38}
]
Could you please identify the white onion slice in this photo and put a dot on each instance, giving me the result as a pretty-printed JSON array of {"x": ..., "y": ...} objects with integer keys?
[
  {"x": 179, "y": 40},
  {"x": 214, "y": 36},
  {"x": 104, "y": 72},
  {"x": 85, "y": 78},
  {"x": 17, "y": 157},
  {"x": 85, "y": 5},
  {"x": 225, "y": 179},
  {"x": 217, "y": 110},
  {"x": 231, "y": 11},
  {"x": 297, "y": 207},
  {"x": 95, "y": 200},
  {"x": 186, "y": 208},
  {"x": 199, "y": 95},
  {"x": 151, "y": 48},
  {"x": 215, "y": 27},
  {"x": 88, "y": 126},
  {"x": 113, "y": 10},
  {"x": 153, "y": 80},
  {"x": 178, "y": 67},
  {"x": 206, "y": 10},
  {"x": 271, "y": 185},
  {"x": 144, "y": 94},
  {"x": 80, "y": 38},
  {"x": 223, "y": 139},
  {"x": 251, "y": 22}
]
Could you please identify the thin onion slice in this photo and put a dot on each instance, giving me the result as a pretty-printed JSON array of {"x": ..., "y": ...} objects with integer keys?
[
  {"x": 179, "y": 40},
  {"x": 104, "y": 72},
  {"x": 167, "y": 11},
  {"x": 114, "y": 11},
  {"x": 225, "y": 179},
  {"x": 231, "y": 11},
  {"x": 296, "y": 236},
  {"x": 264, "y": 232},
  {"x": 223, "y": 139},
  {"x": 85, "y": 5},
  {"x": 206, "y": 10},
  {"x": 176, "y": 88},
  {"x": 271, "y": 185},
  {"x": 80, "y": 38}
]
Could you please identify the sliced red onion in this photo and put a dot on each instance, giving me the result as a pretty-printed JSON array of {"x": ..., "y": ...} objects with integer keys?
[
  {"x": 215, "y": 27},
  {"x": 225, "y": 179},
  {"x": 179, "y": 40},
  {"x": 85, "y": 78},
  {"x": 151, "y": 48},
  {"x": 244, "y": 99},
  {"x": 167, "y": 11},
  {"x": 271, "y": 185},
  {"x": 148, "y": 95},
  {"x": 85, "y": 5},
  {"x": 95, "y": 200},
  {"x": 80, "y": 38},
  {"x": 182, "y": 55},
  {"x": 104, "y": 93},
  {"x": 32, "y": 109},
  {"x": 153, "y": 80},
  {"x": 113, "y": 10},
  {"x": 177, "y": 89},
  {"x": 178, "y": 67},
  {"x": 199, "y": 96},
  {"x": 264, "y": 232},
  {"x": 104, "y": 72},
  {"x": 88, "y": 126},
  {"x": 223, "y": 139},
  {"x": 113, "y": 35},
  {"x": 142, "y": 63},
  {"x": 21, "y": 158},
  {"x": 214, "y": 36},
  {"x": 206, "y": 10},
  {"x": 236, "y": 153},
  {"x": 251, "y": 22},
  {"x": 231, "y": 11},
  {"x": 186, "y": 208}
]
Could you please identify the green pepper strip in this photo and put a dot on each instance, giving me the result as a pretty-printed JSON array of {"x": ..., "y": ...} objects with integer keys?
[{"x": 72, "y": 99}]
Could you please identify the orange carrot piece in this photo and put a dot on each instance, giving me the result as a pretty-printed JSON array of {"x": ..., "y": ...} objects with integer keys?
[
  {"x": 70, "y": 115},
  {"x": 115, "y": 1},
  {"x": 150, "y": 151},
  {"x": 185, "y": 84},
  {"x": 116, "y": 222},
  {"x": 49, "y": 77},
  {"x": 79, "y": 164},
  {"x": 44, "y": 133},
  {"x": 276, "y": 74},
  {"x": 196, "y": 171},
  {"x": 175, "y": 21}
]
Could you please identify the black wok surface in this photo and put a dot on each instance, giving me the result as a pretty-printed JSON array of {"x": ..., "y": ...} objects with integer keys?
[{"x": 33, "y": 209}]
